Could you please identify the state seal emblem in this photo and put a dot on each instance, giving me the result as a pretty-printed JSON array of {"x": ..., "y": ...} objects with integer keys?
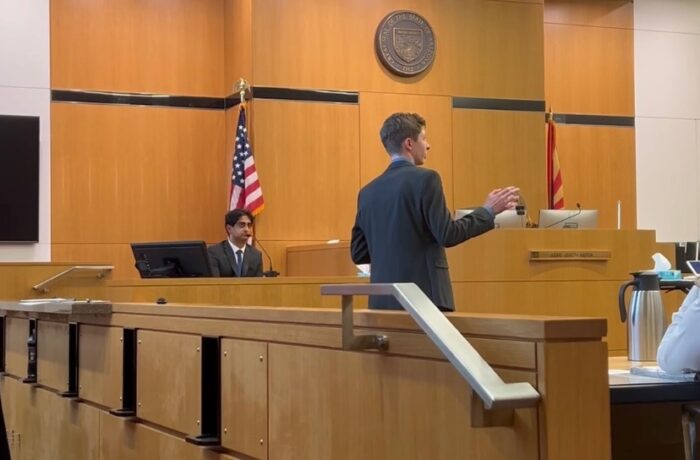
[{"x": 405, "y": 43}]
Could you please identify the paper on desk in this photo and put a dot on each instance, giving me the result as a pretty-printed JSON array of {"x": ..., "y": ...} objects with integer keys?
[
  {"x": 46, "y": 300},
  {"x": 655, "y": 371}
]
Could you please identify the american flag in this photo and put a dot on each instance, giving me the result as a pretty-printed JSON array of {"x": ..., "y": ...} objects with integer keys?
[{"x": 246, "y": 192}]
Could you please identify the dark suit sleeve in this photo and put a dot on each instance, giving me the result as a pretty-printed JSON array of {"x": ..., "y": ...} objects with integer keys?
[
  {"x": 359, "y": 251},
  {"x": 449, "y": 232},
  {"x": 214, "y": 262},
  {"x": 257, "y": 265}
]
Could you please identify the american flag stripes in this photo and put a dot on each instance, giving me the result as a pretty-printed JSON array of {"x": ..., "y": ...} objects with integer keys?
[{"x": 246, "y": 192}]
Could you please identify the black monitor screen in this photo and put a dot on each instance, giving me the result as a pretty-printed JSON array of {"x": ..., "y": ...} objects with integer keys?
[
  {"x": 171, "y": 259},
  {"x": 19, "y": 178}
]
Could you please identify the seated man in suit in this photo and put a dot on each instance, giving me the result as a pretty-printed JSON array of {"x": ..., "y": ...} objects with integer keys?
[{"x": 234, "y": 256}]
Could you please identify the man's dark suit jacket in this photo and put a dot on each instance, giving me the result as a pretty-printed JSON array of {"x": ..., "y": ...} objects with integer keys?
[
  {"x": 402, "y": 228},
  {"x": 223, "y": 261}
]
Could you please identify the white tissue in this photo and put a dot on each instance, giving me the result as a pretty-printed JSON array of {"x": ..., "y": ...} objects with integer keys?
[{"x": 661, "y": 263}]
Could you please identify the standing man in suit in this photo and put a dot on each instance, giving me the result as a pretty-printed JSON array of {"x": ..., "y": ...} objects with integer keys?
[
  {"x": 234, "y": 256},
  {"x": 403, "y": 224}
]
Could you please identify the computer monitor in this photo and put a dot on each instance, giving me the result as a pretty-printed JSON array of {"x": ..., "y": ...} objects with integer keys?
[
  {"x": 506, "y": 219},
  {"x": 172, "y": 259},
  {"x": 568, "y": 218}
]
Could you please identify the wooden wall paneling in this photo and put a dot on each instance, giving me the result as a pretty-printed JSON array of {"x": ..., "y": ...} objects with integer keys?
[
  {"x": 101, "y": 362},
  {"x": 598, "y": 166},
  {"x": 307, "y": 161},
  {"x": 376, "y": 107},
  {"x": 505, "y": 58},
  {"x": 174, "y": 358},
  {"x": 560, "y": 368},
  {"x": 118, "y": 255},
  {"x": 238, "y": 42},
  {"x": 278, "y": 252},
  {"x": 283, "y": 291},
  {"x": 124, "y": 440},
  {"x": 560, "y": 298},
  {"x": 244, "y": 408},
  {"x": 16, "y": 333},
  {"x": 47, "y": 426},
  {"x": 494, "y": 149},
  {"x": 333, "y": 47},
  {"x": 52, "y": 355},
  {"x": 328, "y": 396},
  {"x": 589, "y": 70},
  {"x": 123, "y": 174},
  {"x": 167, "y": 48},
  {"x": 503, "y": 255},
  {"x": 605, "y": 13},
  {"x": 17, "y": 279},
  {"x": 320, "y": 260}
]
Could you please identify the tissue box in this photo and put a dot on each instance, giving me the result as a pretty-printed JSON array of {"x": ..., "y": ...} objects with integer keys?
[{"x": 670, "y": 274}]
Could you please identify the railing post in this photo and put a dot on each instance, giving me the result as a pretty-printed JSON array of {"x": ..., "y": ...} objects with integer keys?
[{"x": 359, "y": 342}]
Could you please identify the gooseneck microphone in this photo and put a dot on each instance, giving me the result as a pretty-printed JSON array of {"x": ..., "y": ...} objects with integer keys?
[
  {"x": 271, "y": 273},
  {"x": 578, "y": 206}
]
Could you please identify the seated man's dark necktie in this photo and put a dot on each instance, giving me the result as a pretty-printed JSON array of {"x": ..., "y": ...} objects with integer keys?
[{"x": 239, "y": 262}]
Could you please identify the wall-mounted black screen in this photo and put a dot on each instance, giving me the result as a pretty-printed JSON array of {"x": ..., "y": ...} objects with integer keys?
[{"x": 19, "y": 178}]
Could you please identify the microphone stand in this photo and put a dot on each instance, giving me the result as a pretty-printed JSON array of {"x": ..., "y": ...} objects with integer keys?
[
  {"x": 271, "y": 273},
  {"x": 578, "y": 205}
]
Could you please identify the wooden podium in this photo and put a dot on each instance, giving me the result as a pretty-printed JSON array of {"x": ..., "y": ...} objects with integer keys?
[{"x": 528, "y": 271}]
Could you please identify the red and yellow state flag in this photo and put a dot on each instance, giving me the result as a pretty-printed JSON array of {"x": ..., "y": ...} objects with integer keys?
[{"x": 555, "y": 188}]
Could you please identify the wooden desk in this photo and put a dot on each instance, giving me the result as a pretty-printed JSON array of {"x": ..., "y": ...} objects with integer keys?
[{"x": 646, "y": 413}]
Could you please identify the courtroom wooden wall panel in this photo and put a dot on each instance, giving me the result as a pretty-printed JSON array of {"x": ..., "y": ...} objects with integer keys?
[
  {"x": 124, "y": 174},
  {"x": 302, "y": 422},
  {"x": 16, "y": 334},
  {"x": 307, "y": 159},
  {"x": 598, "y": 166},
  {"x": 565, "y": 363},
  {"x": 486, "y": 49},
  {"x": 176, "y": 406},
  {"x": 118, "y": 255},
  {"x": 145, "y": 442},
  {"x": 565, "y": 298},
  {"x": 589, "y": 70},
  {"x": 494, "y": 149},
  {"x": 605, "y": 13},
  {"x": 101, "y": 360},
  {"x": 376, "y": 107},
  {"x": 173, "y": 47},
  {"x": 52, "y": 355},
  {"x": 238, "y": 36},
  {"x": 31, "y": 414}
]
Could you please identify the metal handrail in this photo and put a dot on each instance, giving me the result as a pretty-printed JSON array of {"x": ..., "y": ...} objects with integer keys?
[
  {"x": 481, "y": 377},
  {"x": 101, "y": 270}
]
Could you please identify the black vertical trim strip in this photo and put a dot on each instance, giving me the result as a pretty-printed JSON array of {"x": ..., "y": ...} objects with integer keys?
[
  {"x": 72, "y": 390},
  {"x": 210, "y": 424},
  {"x": 32, "y": 351},
  {"x": 128, "y": 408},
  {"x": 2, "y": 344}
]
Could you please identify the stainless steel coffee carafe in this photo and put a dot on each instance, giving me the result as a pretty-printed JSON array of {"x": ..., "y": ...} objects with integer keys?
[{"x": 646, "y": 321}]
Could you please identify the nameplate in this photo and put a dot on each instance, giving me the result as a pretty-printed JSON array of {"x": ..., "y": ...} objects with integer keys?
[{"x": 537, "y": 256}]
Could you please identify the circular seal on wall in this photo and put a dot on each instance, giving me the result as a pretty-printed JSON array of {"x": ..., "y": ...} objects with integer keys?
[{"x": 405, "y": 43}]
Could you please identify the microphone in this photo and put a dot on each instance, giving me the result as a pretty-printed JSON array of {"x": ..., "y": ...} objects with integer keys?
[
  {"x": 271, "y": 273},
  {"x": 521, "y": 210},
  {"x": 578, "y": 206}
]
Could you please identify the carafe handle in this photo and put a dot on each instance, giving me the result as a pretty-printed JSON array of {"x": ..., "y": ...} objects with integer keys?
[{"x": 621, "y": 299}]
